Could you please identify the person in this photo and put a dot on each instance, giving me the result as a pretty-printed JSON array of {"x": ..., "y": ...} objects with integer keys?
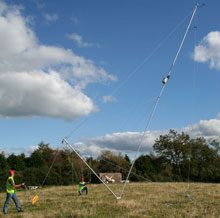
[
  {"x": 82, "y": 187},
  {"x": 10, "y": 190}
]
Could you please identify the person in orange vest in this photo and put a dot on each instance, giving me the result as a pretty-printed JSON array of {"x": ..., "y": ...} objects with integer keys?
[
  {"x": 82, "y": 187},
  {"x": 10, "y": 190}
]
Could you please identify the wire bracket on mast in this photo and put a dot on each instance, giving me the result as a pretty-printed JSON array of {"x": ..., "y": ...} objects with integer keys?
[{"x": 165, "y": 79}]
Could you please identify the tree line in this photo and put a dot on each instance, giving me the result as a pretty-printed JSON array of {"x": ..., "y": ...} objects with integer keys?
[{"x": 175, "y": 157}]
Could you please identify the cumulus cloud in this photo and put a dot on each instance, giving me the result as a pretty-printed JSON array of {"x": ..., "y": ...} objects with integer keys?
[
  {"x": 79, "y": 41},
  {"x": 209, "y": 50},
  {"x": 209, "y": 129},
  {"x": 19, "y": 149},
  {"x": 84, "y": 149},
  {"x": 35, "y": 79},
  {"x": 33, "y": 95},
  {"x": 128, "y": 142},
  {"x": 108, "y": 98},
  {"x": 50, "y": 17},
  {"x": 31, "y": 149}
]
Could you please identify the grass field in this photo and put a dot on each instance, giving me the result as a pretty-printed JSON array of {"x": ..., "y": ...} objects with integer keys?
[{"x": 139, "y": 200}]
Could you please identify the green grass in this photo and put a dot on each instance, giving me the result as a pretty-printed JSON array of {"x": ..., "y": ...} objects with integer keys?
[{"x": 139, "y": 200}]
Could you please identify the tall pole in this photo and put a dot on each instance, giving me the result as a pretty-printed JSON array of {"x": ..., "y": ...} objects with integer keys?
[{"x": 158, "y": 99}]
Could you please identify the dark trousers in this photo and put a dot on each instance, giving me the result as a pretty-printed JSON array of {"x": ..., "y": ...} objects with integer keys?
[
  {"x": 84, "y": 189},
  {"x": 7, "y": 201}
]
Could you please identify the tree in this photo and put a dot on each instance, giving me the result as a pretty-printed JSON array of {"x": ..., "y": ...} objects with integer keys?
[
  {"x": 16, "y": 162},
  {"x": 3, "y": 162},
  {"x": 205, "y": 160},
  {"x": 144, "y": 167},
  {"x": 4, "y": 171},
  {"x": 175, "y": 148},
  {"x": 194, "y": 159},
  {"x": 37, "y": 159},
  {"x": 127, "y": 158},
  {"x": 21, "y": 161},
  {"x": 113, "y": 163},
  {"x": 47, "y": 152}
]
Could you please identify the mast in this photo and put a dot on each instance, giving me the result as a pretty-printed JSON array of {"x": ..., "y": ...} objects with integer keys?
[{"x": 164, "y": 82}]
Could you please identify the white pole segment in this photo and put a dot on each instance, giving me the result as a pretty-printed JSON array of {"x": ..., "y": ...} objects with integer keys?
[
  {"x": 181, "y": 44},
  {"x": 148, "y": 123},
  {"x": 64, "y": 140}
]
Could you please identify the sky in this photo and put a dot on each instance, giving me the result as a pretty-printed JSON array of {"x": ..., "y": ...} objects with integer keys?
[{"x": 92, "y": 70}]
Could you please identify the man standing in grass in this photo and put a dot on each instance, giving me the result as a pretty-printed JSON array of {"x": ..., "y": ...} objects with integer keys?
[
  {"x": 82, "y": 187},
  {"x": 10, "y": 190}
]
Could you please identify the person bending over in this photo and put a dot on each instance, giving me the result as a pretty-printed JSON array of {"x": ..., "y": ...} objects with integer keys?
[{"x": 82, "y": 187}]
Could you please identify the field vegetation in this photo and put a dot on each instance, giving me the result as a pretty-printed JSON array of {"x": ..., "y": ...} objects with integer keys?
[{"x": 139, "y": 200}]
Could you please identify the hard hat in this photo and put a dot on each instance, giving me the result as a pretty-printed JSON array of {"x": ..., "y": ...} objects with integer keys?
[{"x": 11, "y": 171}]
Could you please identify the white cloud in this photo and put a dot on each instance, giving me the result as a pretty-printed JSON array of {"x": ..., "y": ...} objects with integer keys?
[
  {"x": 50, "y": 17},
  {"x": 19, "y": 149},
  {"x": 31, "y": 149},
  {"x": 209, "y": 129},
  {"x": 34, "y": 78},
  {"x": 209, "y": 50},
  {"x": 80, "y": 42},
  {"x": 39, "y": 94},
  {"x": 88, "y": 150},
  {"x": 128, "y": 142},
  {"x": 108, "y": 98}
]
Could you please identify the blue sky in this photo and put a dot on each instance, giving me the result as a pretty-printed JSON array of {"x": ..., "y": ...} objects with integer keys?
[{"x": 99, "y": 65}]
